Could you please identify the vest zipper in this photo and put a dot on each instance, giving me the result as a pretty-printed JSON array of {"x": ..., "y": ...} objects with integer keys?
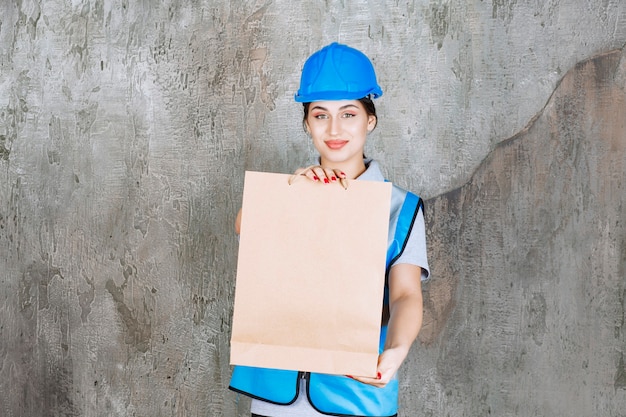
[{"x": 302, "y": 376}]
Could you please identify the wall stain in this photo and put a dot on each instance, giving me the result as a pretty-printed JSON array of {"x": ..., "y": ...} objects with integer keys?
[
  {"x": 34, "y": 286},
  {"x": 536, "y": 320},
  {"x": 85, "y": 299},
  {"x": 40, "y": 354},
  {"x": 58, "y": 383},
  {"x": 138, "y": 332},
  {"x": 503, "y": 9},
  {"x": 620, "y": 377},
  {"x": 4, "y": 151},
  {"x": 256, "y": 17},
  {"x": 254, "y": 79},
  {"x": 200, "y": 304},
  {"x": 76, "y": 28},
  {"x": 86, "y": 117},
  {"x": 13, "y": 116},
  {"x": 31, "y": 19},
  {"x": 438, "y": 17}
]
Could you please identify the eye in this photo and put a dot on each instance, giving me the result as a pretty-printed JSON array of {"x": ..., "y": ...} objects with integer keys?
[
  {"x": 348, "y": 115},
  {"x": 320, "y": 116}
]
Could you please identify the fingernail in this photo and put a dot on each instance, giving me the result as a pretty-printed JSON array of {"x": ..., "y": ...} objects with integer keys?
[
  {"x": 334, "y": 178},
  {"x": 350, "y": 376},
  {"x": 326, "y": 180},
  {"x": 379, "y": 375},
  {"x": 316, "y": 178}
]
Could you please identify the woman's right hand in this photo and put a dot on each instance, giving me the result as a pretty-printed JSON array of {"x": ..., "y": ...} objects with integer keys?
[
  {"x": 238, "y": 223},
  {"x": 318, "y": 173}
]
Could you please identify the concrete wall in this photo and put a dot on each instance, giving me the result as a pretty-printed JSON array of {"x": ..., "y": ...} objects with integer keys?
[
  {"x": 528, "y": 315},
  {"x": 125, "y": 128}
]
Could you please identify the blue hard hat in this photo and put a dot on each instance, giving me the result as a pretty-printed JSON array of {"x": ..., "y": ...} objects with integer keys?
[{"x": 337, "y": 72}]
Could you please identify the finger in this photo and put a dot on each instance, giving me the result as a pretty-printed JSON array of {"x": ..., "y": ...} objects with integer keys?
[
  {"x": 376, "y": 382},
  {"x": 340, "y": 174},
  {"x": 319, "y": 174},
  {"x": 331, "y": 175},
  {"x": 324, "y": 175},
  {"x": 310, "y": 173},
  {"x": 342, "y": 178}
]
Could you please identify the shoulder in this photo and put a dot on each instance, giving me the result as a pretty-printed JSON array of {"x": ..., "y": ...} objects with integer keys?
[
  {"x": 399, "y": 196},
  {"x": 402, "y": 197}
]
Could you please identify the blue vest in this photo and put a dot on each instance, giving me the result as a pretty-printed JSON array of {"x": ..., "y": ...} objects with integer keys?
[{"x": 336, "y": 394}]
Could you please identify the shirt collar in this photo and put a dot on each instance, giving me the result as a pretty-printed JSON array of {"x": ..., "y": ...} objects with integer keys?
[{"x": 372, "y": 171}]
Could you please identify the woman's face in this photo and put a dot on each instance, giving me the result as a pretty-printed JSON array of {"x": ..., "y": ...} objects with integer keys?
[{"x": 339, "y": 129}]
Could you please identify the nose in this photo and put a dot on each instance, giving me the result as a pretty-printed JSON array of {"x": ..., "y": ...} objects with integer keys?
[{"x": 334, "y": 126}]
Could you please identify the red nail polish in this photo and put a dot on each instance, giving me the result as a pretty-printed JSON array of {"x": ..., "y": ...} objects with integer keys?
[
  {"x": 334, "y": 178},
  {"x": 316, "y": 178},
  {"x": 326, "y": 180},
  {"x": 379, "y": 375},
  {"x": 350, "y": 376}
]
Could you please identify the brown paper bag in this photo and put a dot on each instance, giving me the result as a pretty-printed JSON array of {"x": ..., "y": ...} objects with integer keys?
[{"x": 310, "y": 275}]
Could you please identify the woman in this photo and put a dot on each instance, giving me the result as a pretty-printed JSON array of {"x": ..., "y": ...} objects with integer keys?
[{"x": 337, "y": 86}]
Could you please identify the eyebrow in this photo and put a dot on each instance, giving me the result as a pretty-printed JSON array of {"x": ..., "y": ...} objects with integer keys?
[{"x": 340, "y": 108}]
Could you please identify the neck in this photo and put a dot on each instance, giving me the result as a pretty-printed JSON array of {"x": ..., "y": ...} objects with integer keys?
[{"x": 352, "y": 168}]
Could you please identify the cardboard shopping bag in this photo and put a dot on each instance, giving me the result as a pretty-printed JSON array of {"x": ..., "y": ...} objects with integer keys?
[{"x": 310, "y": 274}]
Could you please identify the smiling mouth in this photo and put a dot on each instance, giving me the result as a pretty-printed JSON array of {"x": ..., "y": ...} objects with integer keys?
[{"x": 336, "y": 144}]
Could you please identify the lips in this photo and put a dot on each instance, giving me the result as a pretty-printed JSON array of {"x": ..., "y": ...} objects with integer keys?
[{"x": 336, "y": 144}]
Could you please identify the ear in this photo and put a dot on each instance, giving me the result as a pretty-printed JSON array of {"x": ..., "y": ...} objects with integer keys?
[{"x": 371, "y": 122}]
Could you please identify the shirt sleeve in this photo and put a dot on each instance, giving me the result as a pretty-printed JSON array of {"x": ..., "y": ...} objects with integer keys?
[{"x": 415, "y": 251}]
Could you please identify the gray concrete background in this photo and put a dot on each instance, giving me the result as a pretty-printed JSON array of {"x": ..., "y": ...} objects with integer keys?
[{"x": 125, "y": 128}]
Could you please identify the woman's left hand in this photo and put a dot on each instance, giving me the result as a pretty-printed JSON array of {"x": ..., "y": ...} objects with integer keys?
[
  {"x": 405, "y": 321},
  {"x": 388, "y": 364}
]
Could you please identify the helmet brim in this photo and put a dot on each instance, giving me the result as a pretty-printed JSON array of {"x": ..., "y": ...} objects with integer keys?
[{"x": 337, "y": 95}]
